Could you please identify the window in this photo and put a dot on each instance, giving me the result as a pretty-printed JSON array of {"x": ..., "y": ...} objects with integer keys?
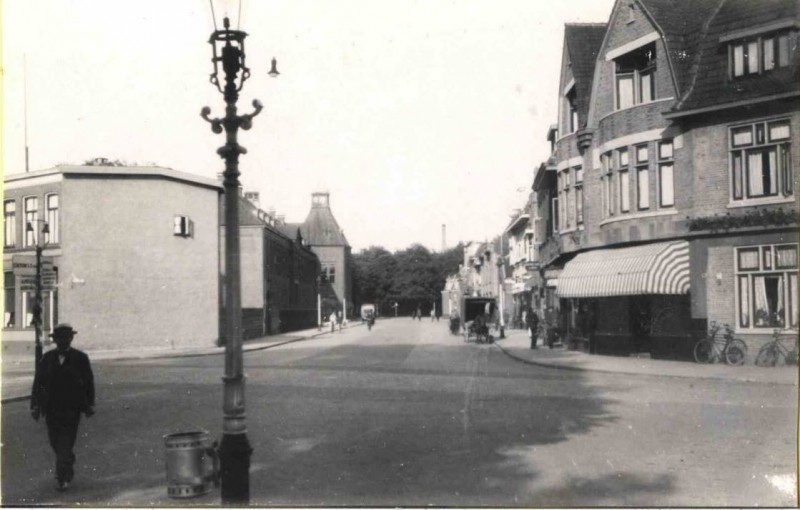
[
  {"x": 10, "y": 299},
  {"x": 555, "y": 214},
  {"x": 566, "y": 204},
  {"x": 32, "y": 219},
  {"x": 761, "y": 160},
  {"x": 578, "y": 195},
  {"x": 624, "y": 181},
  {"x": 9, "y": 223},
  {"x": 762, "y": 54},
  {"x": 635, "y": 76},
  {"x": 329, "y": 273},
  {"x": 666, "y": 166},
  {"x": 766, "y": 281},
  {"x": 573, "y": 110},
  {"x": 642, "y": 178},
  {"x": 182, "y": 226},
  {"x": 608, "y": 187},
  {"x": 51, "y": 202}
]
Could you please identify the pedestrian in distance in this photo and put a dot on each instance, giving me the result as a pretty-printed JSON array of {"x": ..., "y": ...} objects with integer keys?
[
  {"x": 419, "y": 314},
  {"x": 433, "y": 314},
  {"x": 63, "y": 389},
  {"x": 333, "y": 322},
  {"x": 533, "y": 326},
  {"x": 339, "y": 320}
]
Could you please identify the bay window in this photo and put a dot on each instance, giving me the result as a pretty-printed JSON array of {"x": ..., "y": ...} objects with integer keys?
[{"x": 624, "y": 181}]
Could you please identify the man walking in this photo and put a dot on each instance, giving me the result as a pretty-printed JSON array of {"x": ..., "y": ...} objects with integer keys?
[
  {"x": 533, "y": 325},
  {"x": 63, "y": 388}
]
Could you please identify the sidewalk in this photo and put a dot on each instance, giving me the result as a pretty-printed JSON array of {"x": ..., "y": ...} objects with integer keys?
[
  {"x": 517, "y": 345},
  {"x": 17, "y": 373}
]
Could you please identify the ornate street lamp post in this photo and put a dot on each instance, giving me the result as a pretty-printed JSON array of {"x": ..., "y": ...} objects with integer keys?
[
  {"x": 235, "y": 449},
  {"x": 37, "y": 306}
]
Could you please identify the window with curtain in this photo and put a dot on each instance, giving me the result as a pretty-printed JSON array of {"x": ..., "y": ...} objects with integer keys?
[
  {"x": 761, "y": 160},
  {"x": 763, "y": 54},
  {"x": 767, "y": 286}
]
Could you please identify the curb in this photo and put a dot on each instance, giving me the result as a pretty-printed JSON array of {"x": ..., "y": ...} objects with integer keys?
[
  {"x": 559, "y": 366},
  {"x": 195, "y": 354}
]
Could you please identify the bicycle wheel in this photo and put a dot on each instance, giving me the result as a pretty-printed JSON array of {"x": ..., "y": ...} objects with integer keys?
[
  {"x": 704, "y": 351},
  {"x": 736, "y": 352},
  {"x": 767, "y": 356}
]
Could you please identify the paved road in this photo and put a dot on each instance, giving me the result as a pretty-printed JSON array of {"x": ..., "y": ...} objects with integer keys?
[{"x": 409, "y": 415}]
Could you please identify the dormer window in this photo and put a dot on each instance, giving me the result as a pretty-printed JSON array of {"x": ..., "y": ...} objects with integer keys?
[
  {"x": 635, "y": 76},
  {"x": 760, "y": 54}
]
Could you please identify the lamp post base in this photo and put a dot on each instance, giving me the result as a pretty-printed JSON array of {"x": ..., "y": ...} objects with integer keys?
[{"x": 234, "y": 457}]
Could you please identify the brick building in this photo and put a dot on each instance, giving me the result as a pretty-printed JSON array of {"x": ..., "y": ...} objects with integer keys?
[
  {"x": 134, "y": 251},
  {"x": 279, "y": 273},
  {"x": 675, "y": 177},
  {"x": 322, "y": 234}
]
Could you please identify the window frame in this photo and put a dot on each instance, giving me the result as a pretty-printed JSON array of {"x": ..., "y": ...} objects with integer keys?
[
  {"x": 635, "y": 74},
  {"x": 31, "y": 216},
  {"x": 663, "y": 163},
  {"x": 9, "y": 223},
  {"x": 777, "y": 44},
  {"x": 760, "y": 140},
  {"x": 766, "y": 258},
  {"x": 52, "y": 218}
]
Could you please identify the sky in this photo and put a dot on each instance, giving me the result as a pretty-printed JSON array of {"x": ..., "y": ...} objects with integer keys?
[{"x": 411, "y": 114}]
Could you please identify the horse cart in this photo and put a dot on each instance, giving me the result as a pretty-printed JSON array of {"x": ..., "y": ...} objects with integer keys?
[{"x": 477, "y": 314}]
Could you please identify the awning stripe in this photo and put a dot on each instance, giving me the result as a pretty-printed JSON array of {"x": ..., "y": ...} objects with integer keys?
[{"x": 657, "y": 268}]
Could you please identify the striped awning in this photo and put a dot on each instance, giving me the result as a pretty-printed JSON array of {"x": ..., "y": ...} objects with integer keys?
[{"x": 658, "y": 268}]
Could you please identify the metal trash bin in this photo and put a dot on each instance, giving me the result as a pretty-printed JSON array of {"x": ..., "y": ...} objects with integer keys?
[{"x": 192, "y": 464}]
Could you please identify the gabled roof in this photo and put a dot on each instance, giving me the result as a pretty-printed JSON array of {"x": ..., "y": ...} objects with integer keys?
[
  {"x": 321, "y": 228},
  {"x": 583, "y": 41},
  {"x": 708, "y": 84}
]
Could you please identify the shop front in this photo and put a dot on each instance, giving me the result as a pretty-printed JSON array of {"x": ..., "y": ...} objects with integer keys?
[{"x": 629, "y": 300}]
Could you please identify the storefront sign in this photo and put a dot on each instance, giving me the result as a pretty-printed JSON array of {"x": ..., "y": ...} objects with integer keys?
[{"x": 26, "y": 264}]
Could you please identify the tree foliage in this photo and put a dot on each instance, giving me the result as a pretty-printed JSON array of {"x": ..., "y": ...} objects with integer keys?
[{"x": 413, "y": 278}]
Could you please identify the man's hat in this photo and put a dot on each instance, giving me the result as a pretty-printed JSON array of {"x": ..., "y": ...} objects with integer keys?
[{"x": 63, "y": 328}]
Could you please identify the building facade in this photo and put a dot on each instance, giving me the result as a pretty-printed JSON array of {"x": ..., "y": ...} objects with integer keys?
[
  {"x": 675, "y": 181},
  {"x": 326, "y": 239},
  {"x": 133, "y": 254},
  {"x": 279, "y": 273}
]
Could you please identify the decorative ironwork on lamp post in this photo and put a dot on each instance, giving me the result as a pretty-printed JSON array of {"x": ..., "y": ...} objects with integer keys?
[
  {"x": 37, "y": 305},
  {"x": 235, "y": 449}
]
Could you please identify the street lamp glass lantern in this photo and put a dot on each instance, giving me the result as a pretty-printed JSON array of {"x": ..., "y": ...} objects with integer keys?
[{"x": 228, "y": 49}]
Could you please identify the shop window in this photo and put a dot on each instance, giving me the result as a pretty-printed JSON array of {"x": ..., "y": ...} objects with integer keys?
[
  {"x": 10, "y": 299},
  {"x": 767, "y": 286},
  {"x": 761, "y": 163}
]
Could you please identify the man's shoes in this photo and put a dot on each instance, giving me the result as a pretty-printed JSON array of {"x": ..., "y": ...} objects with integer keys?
[{"x": 62, "y": 485}]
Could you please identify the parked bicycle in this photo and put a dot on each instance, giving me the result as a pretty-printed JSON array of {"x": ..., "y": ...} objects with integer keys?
[
  {"x": 772, "y": 351},
  {"x": 711, "y": 349}
]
